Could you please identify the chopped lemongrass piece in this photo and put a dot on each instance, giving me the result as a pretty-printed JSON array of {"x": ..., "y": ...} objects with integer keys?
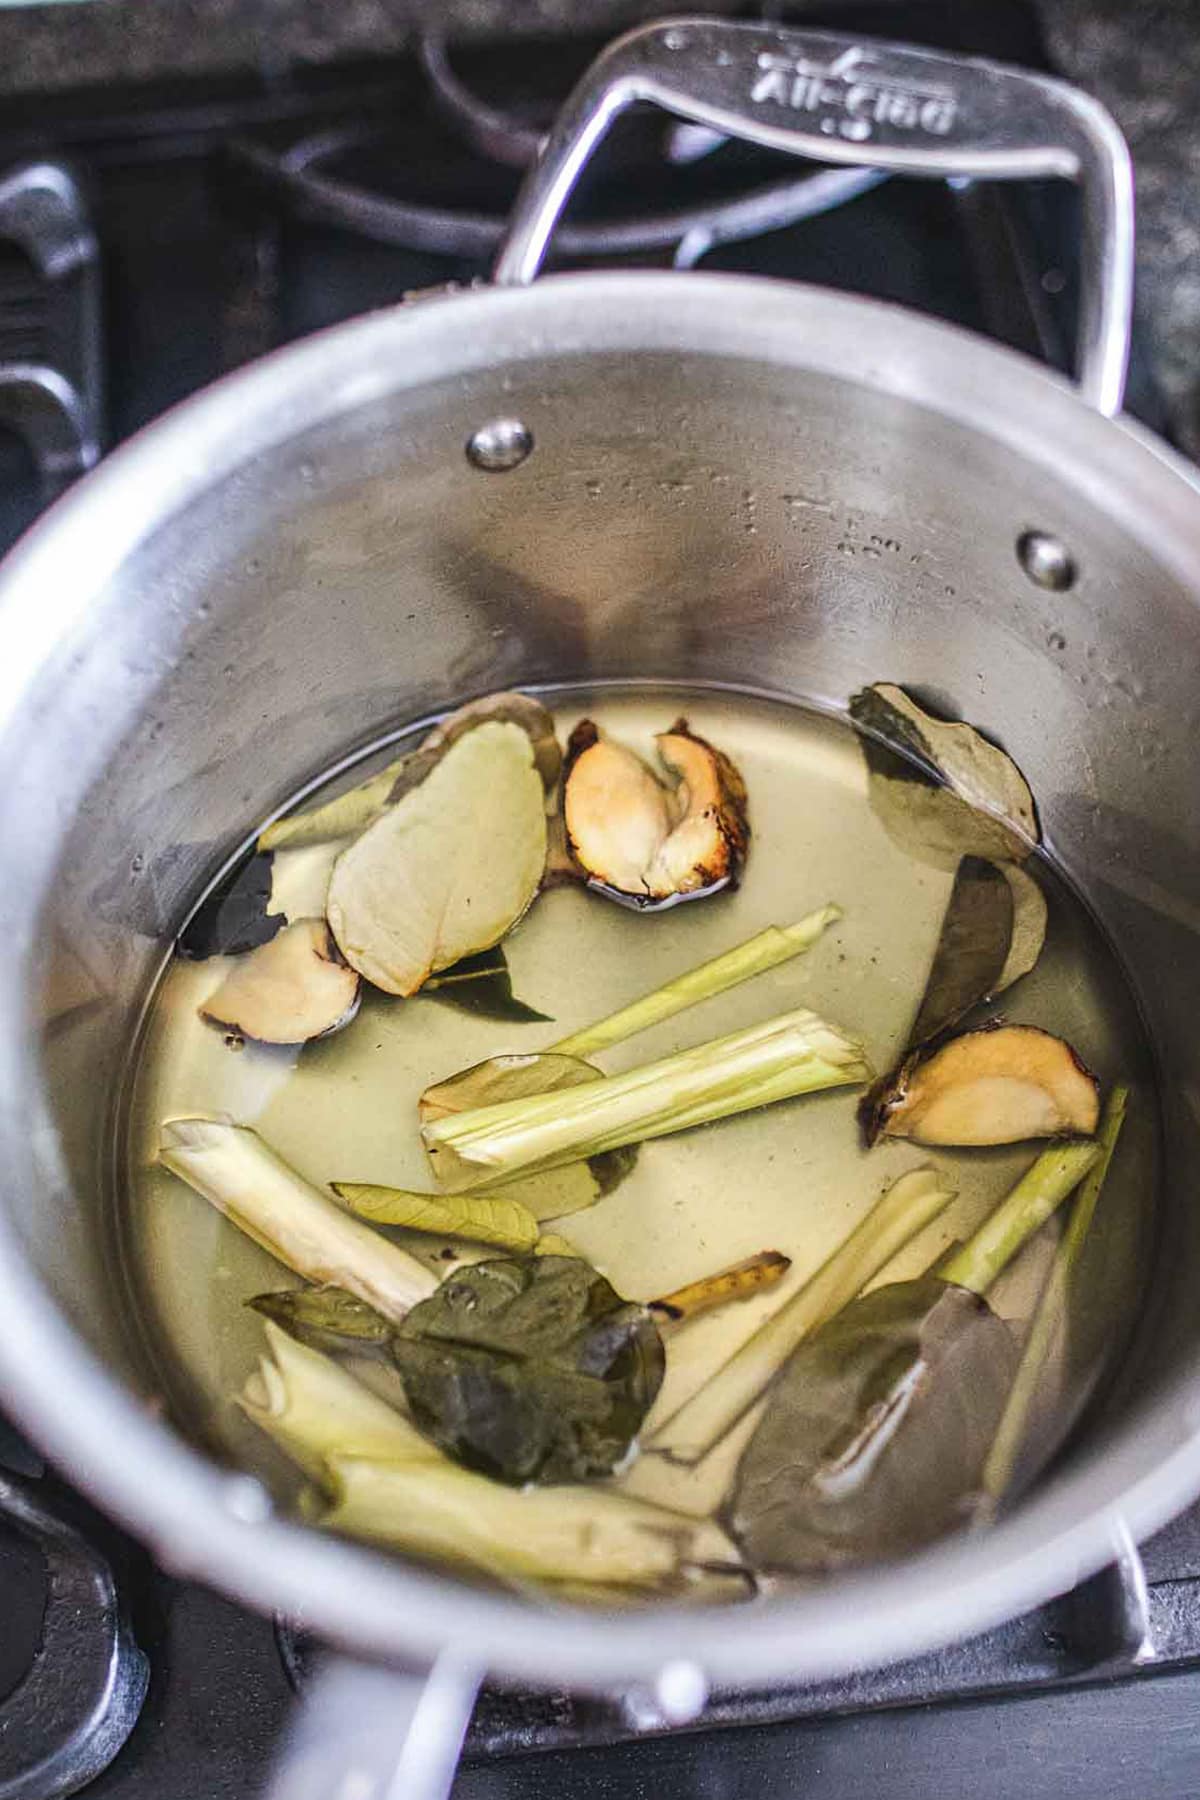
[
  {"x": 568, "y": 1533},
  {"x": 292, "y": 1220},
  {"x": 482, "y": 1218},
  {"x": 315, "y": 1409},
  {"x": 1040, "y": 1191},
  {"x": 1051, "y": 1309},
  {"x": 901, "y": 1212},
  {"x": 739, "y": 1282},
  {"x": 767, "y": 950},
  {"x": 795, "y": 1054},
  {"x": 550, "y": 1193},
  {"x": 343, "y": 817}
]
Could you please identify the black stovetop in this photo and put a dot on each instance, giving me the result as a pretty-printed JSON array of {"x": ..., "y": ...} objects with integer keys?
[{"x": 178, "y": 234}]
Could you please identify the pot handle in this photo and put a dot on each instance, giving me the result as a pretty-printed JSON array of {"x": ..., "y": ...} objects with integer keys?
[
  {"x": 842, "y": 99},
  {"x": 375, "y": 1733}
]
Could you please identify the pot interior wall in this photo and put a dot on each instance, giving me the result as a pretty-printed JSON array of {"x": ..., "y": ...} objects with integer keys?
[{"x": 683, "y": 517}]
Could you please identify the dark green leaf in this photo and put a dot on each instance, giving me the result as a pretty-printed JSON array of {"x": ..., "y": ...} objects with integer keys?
[
  {"x": 939, "y": 788},
  {"x": 891, "y": 740},
  {"x": 1028, "y": 926},
  {"x": 875, "y": 1436},
  {"x": 991, "y": 935},
  {"x": 481, "y": 984},
  {"x": 327, "y": 1318},
  {"x": 234, "y": 917},
  {"x": 507, "y": 1077},
  {"x": 972, "y": 949},
  {"x": 532, "y": 1370}
]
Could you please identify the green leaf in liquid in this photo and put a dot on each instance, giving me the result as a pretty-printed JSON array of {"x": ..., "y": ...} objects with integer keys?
[
  {"x": 234, "y": 917},
  {"x": 495, "y": 1219},
  {"x": 939, "y": 788},
  {"x": 550, "y": 1193},
  {"x": 530, "y": 1371},
  {"x": 326, "y": 1318},
  {"x": 481, "y": 984},
  {"x": 875, "y": 1435},
  {"x": 972, "y": 949}
]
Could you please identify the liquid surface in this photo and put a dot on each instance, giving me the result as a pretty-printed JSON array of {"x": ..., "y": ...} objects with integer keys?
[{"x": 793, "y": 1177}]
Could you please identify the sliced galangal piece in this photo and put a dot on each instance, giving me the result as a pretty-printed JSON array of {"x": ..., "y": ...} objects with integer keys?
[
  {"x": 290, "y": 989},
  {"x": 1000, "y": 1085},
  {"x": 646, "y": 842}
]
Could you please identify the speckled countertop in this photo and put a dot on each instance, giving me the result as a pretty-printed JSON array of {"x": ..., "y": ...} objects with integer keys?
[{"x": 1143, "y": 61}]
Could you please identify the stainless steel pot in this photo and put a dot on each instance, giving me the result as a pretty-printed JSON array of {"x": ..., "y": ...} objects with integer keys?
[{"x": 305, "y": 556}]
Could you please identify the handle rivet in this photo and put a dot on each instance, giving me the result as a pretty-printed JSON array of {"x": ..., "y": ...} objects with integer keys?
[
  {"x": 499, "y": 445},
  {"x": 1047, "y": 562}
]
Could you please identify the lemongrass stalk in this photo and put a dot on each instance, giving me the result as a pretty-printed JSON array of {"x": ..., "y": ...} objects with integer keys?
[
  {"x": 776, "y": 945},
  {"x": 1051, "y": 1309},
  {"x": 899, "y": 1214},
  {"x": 568, "y": 1533},
  {"x": 794, "y": 1054},
  {"x": 1040, "y": 1191},
  {"x": 344, "y": 816},
  {"x": 314, "y": 1409},
  {"x": 295, "y": 1222},
  {"x": 755, "y": 1094}
]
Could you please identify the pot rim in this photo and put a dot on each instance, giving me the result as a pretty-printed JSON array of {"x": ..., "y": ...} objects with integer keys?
[{"x": 206, "y": 1522}]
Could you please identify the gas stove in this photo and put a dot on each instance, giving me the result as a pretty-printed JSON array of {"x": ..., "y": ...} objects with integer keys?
[{"x": 152, "y": 240}]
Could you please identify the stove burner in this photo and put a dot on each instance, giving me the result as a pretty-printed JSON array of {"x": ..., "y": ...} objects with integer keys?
[
  {"x": 504, "y": 137},
  {"x": 366, "y": 178},
  {"x": 81, "y": 1696},
  {"x": 413, "y": 225},
  {"x": 513, "y": 137},
  {"x": 49, "y": 321}
]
